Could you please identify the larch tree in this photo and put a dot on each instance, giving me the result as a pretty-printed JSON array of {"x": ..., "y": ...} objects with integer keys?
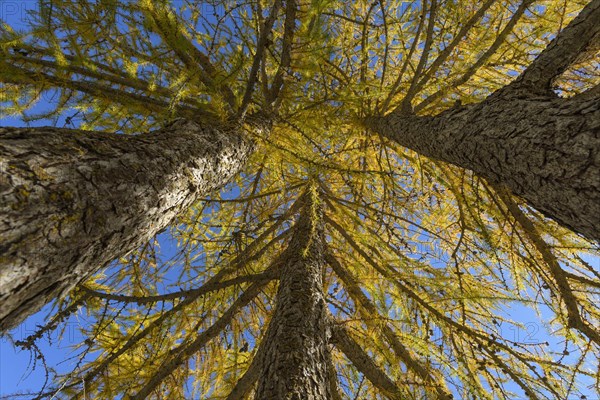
[
  {"x": 73, "y": 201},
  {"x": 541, "y": 146},
  {"x": 335, "y": 263}
]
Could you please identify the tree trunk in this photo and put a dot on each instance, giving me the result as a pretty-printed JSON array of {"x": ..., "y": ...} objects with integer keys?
[
  {"x": 543, "y": 148},
  {"x": 72, "y": 201},
  {"x": 297, "y": 355},
  {"x": 546, "y": 150}
]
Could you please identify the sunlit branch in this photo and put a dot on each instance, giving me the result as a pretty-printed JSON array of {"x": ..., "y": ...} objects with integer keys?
[
  {"x": 570, "y": 44},
  {"x": 392, "y": 277},
  {"x": 509, "y": 371},
  {"x": 351, "y": 20},
  {"x": 406, "y": 107},
  {"x": 245, "y": 383},
  {"x": 572, "y": 305},
  {"x": 183, "y": 293},
  {"x": 407, "y": 58},
  {"x": 148, "y": 104},
  {"x": 441, "y": 58},
  {"x": 582, "y": 279},
  {"x": 261, "y": 45},
  {"x": 500, "y": 39},
  {"x": 334, "y": 388},
  {"x": 327, "y": 164},
  {"x": 363, "y": 44},
  {"x": 354, "y": 206},
  {"x": 257, "y": 178},
  {"x": 362, "y": 362},
  {"x": 369, "y": 314},
  {"x": 187, "y": 349},
  {"x": 248, "y": 255},
  {"x": 134, "y": 83},
  {"x": 117, "y": 73},
  {"x": 258, "y": 195},
  {"x": 286, "y": 53},
  {"x": 386, "y": 50},
  {"x": 166, "y": 23}
]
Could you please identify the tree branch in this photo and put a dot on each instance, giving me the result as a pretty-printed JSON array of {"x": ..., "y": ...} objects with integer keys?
[
  {"x": 258, "y": 56},
  {"x": 187, "y": 349},
  {"x": 244, "y": 384},
  {"x": 455, "y": 326},
  {"x": 149, "y": 104},
  {"x": 286, "y": 51},
  {"x": 206, "y": 288},
  {"x": 406, "y": 106},
  {"x": 484, "y": 57},
  {"x": 405, "y": 64},
  {"x": 441, "y": 58},
  {"x": 167, "y": 27},
  {"x": 370, "y": 314},
  {"x": 561, "y": 282},
  {"x": 564, "y": 50},
  {"x": 362, "y": 362}
]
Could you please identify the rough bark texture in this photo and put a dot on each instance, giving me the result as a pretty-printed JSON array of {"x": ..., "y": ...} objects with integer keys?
[
  {"x": 546, "y": 150},
  {"x": 543, "y": 148},
  {"x": 73, "y": 201},
  {"x": 297, "y": 356}
]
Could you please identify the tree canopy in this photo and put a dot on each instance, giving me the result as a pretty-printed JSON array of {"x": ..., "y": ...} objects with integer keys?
[{"x": 422, "y": 260}]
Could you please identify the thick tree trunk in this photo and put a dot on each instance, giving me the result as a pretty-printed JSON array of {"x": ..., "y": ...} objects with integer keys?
[
  {"x": 543, "y": 148},
  {"x": 73, "y": 201},
  {"x": 546, "y": 150},
  {"x": 296, "y": 355}
]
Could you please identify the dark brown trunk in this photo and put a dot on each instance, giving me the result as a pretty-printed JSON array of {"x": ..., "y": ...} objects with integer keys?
[
  {"x": 297, "y": 356},
  {"x": 73, "y": 201}
]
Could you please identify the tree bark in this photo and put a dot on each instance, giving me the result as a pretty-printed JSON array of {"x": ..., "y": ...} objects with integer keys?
[
  {"x": 546, "y": 150},
  {"x": 73, "y": 201},
  {"x": 541, "y": 147},
  {"x": 296, "y": 360}
]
